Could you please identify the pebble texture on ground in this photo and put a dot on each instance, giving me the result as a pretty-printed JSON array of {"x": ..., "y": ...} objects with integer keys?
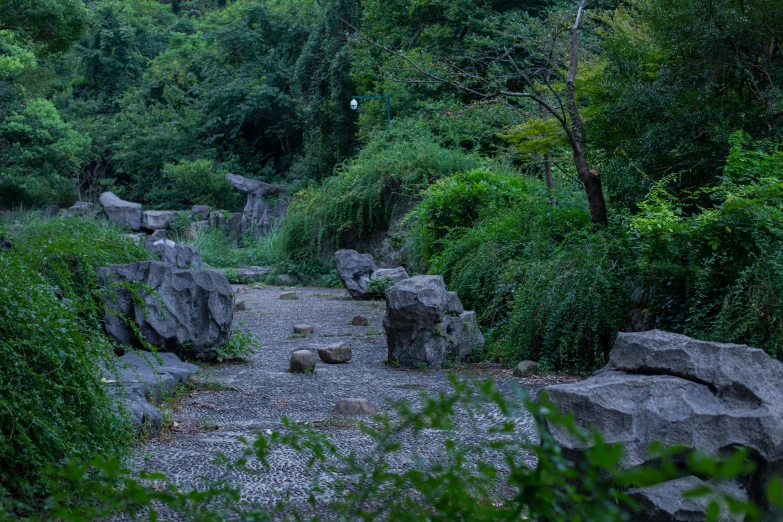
[{"x": 258, "y": 393}]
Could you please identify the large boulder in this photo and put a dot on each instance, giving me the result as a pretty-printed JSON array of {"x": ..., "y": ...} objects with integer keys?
[
  {"x": 669, "y": 388},
  {"x": 158, "y": 219},
  {"x": 188, "y": 312},
  {"x": 176, "y": 255},
  {"x": 124, "y": 213},
  {"x": 392, "y": 275},
  {"x": 426, "y": 324},
  {"x": 354, "y": 270},
  {"x": 134, "y": 376}
]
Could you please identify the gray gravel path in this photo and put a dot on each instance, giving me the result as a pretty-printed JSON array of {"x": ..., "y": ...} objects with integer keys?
[{"x": 258, "y": 393}]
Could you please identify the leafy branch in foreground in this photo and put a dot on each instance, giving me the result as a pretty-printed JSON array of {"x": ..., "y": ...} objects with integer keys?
[{"x": 511, "y": 471}]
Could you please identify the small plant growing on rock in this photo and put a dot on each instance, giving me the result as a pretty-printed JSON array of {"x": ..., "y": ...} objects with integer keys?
[
  {"x": 241, "y": 345},
  {"x": 377, "y": 287}
]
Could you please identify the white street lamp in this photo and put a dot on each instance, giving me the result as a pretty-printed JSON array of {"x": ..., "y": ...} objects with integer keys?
[{"x": 354, "y": 104}]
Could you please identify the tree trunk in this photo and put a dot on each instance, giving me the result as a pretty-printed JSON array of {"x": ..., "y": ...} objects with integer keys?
[{"x": 590, "y": 178}]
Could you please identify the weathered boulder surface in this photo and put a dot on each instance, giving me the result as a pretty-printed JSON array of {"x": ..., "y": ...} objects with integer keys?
[
  {"x": 669, "y": 388},
  {"x": 135, "y": 375},
  {"x": 173, "y": 254},
  {"x": 302, "y": 361},
  {"x": 190, "y": 311},
  {"x": 666, "y": 503},
  {"x": 335, "y": 353},
  {"x": 354, "y": 270},
  {"x": 158, "y": 219},
  {"x": 525, "y": 369},
  {"x": 395, "y": 275},
  {"x": 260, "y": 215},
  {"x": 199, "y": 212},
  {"x": 425, "y": 323},
  {"x": 124, "y": 213},
  {"x": 81, "y": 208},
  {"x": 354, "y": 407}
]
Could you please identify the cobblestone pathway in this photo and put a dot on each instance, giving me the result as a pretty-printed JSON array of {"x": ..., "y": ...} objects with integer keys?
[{"x": 254, "y": 396}]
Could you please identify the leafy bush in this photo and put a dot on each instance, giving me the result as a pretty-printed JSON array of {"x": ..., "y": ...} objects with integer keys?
[
  {"x": 709, "y": 273},
  {"x": 241, "y": 345},
  {"x": 200, "y": 182},
  {"x": 217, "y": 250},
  {"x": 363, "y": 195},
  {"x": 545, "y": 283}
]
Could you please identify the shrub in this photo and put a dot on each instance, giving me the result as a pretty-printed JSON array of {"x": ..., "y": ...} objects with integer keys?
[
  {"x": 200, "y": 182},
  {"x": 363, "y": 195},
  {"x": 53, "y": 404}
]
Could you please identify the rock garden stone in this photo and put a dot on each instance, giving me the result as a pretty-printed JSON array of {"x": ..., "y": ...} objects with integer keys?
[
  {"x": 135, "y": 375},
  {"x": 666, "y": 503},
  {"x": 669, "y": 388},
  {"x": 189, "y": 313},
  {"x": 359, "y": 320},
  {"x": 158, "y": 219},
  {"x": 394, "y": 275},
  {"x": 335, "y": 353},
  {"x": 288, "y": 295},
  {"x": 302, "y": 361},
  {"x": 354, "y": 407},
  {"x": 354, "y": 270},
  {"x": 240, "y": 305},
  {"x": 81, "y": 208},
  {"x": 427, "y": 325},
  {"x": 51, "y": 211},
  {"x": 525, "y": 369},
  {"x": 303, "y": 329},
  {"x": 124, "y": 213},
  {"x": 199, "y": 212},
  {"x": 176, "y": 255}
]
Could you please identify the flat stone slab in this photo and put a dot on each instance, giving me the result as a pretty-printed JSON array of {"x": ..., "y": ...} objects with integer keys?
[
  {"x": 288, "y": 296},
  {"x": 335, "y": 353},
  {"x": 354, "y": 407}
]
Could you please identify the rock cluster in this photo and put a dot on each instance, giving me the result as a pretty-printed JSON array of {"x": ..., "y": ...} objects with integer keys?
[
  {"x": 669, "y": 388},
  {"x": 427, "y": 325},
  {"x": 133, "y": 376},
  {"x": 183, "y": 311},
  {"x": 357, "y": 270}
]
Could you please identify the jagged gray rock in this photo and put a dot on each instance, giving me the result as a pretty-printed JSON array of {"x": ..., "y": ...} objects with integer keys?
[
  {"x": 200, "y": 212},
  {"x": 669, "y": 388},
  {"x": 158, "y": 219},
  {"x": 302, "y": 361},
  {"x": 124, "y": 213},
  {"x": 135, "y": 375},
  {"x": 354, "y": 270},
  {"x": 665, "y": 502},
  {"x": 425, "y": 323},
  {"x": 394, "y": 275},
  {"x": 189, "y": 313},
  {"x": 335, "y": 353},
  {"x": 176, "y": 255},
  {"x": 260, "y": 215}
]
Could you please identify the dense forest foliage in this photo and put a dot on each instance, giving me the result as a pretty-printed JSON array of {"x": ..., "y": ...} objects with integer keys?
[{"x": 569, "y": 163}]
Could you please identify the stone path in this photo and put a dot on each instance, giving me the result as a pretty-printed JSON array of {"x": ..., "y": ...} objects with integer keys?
[{"x": 258, "y": 393}]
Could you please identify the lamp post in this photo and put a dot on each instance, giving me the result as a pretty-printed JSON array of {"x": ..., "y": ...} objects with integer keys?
[{"x": 355, "y": 105}]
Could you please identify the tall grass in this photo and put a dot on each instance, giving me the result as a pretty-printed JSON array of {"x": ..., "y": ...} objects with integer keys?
[{"x": 218, "y": 250}]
